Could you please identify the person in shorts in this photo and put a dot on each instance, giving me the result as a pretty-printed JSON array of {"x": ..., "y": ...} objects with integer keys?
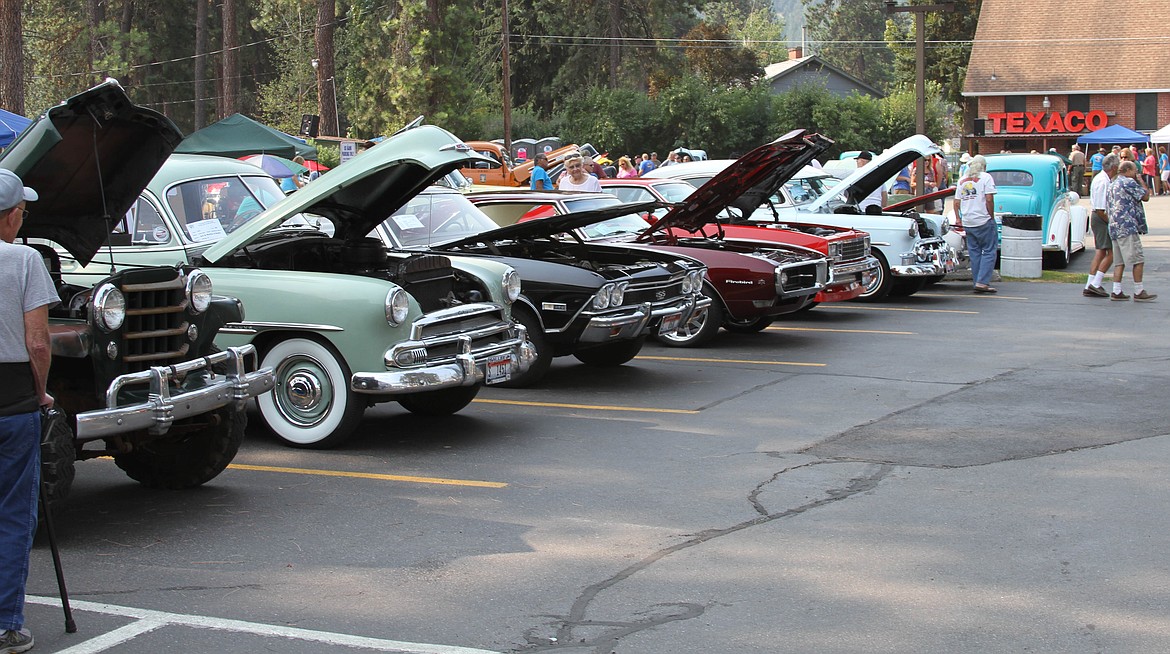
[
  {"x": 1099, "y": 223},
  {"x": 1127, "y": 222}
]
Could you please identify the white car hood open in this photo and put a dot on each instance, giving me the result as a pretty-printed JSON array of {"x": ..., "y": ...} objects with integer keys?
[{"x": 861, "y": 182}]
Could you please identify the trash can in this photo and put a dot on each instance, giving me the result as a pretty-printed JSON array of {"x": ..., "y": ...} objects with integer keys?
[{"x": 1021, "y": 251}]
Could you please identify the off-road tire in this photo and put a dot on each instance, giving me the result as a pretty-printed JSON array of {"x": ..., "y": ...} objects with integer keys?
[
  {"x": 58, "y": 458},
  {"x": 191, "y": 458}
]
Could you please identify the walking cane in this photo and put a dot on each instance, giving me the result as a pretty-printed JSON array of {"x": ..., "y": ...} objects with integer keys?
[{"x": 48, "y": 418}]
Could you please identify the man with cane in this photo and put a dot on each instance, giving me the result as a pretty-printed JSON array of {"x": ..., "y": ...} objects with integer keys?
[{"x": 26, "y": 293}]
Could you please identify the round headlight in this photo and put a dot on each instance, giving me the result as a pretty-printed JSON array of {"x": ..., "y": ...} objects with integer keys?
[
  {"x": 601, "y": 300},
  {"x": 511, "y": 285},
  {"x": 618, "y": 295},
  {"x": 397, "y": 306},
  {"x": 913, "y": 231},
  {"x": 688, "y": 283},
  {"x": 198, "y": 291},
  {"x": 109, "y": 308},
  {"x": 945, "y": 226}
]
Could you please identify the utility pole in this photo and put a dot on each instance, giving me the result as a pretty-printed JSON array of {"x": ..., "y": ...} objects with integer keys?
[
  {"x": 919, "y": 12},
  {"x": 507, "y": 85}
]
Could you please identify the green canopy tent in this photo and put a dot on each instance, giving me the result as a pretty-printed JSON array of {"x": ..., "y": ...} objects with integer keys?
[{"x": 237, "y": 136}]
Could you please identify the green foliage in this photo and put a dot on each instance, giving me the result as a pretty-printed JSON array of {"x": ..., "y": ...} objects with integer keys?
[
  {"x": 948, "y": 37},
  {"x": 849, "y": 34},
  {"x": 328, "y": 154},
  {"x": 293, "y": 88},
  {"x": 611, "y": 72}
]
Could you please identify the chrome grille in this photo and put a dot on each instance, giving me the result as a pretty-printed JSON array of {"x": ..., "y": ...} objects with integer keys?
[
  {"x": 850, "y": 249},
  {"x": 654, "y": 293},
  {"x": 155, "y": 330},
  {"x": 441, "y": 330},
  {"x": 802, "y": 277}
]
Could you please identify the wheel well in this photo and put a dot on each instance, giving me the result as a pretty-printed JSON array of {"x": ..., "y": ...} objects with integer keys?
[
  {"x": 522, "y": 303},
  {"x": 265, "y": 341}
]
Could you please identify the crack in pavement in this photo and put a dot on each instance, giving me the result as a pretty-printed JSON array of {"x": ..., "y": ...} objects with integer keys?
[{"x": 567, "y": 638}]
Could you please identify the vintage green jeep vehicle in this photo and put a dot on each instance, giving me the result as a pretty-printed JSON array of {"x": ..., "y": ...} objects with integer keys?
[
  {"x": 343, "y": 322},
  {"x": 134, "y": 365}
]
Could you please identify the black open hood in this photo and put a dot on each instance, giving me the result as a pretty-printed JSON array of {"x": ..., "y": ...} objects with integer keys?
[
  {"x": 747, "y": 183},
  {"x": 88, "y": 158},
  {"x": 552, "y": 225}
]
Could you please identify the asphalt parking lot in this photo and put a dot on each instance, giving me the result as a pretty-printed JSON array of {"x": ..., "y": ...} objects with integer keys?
[{"x": 949, "y": 472}]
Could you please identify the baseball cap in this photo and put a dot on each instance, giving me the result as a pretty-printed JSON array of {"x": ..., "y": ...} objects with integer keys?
[
  {"x": 865, "y": 154},
  {"x": 13, "y": 191}
]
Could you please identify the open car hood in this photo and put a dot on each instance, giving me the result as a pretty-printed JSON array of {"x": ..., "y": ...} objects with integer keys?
[
  {"x": 861, "y": 182},
  {"x": 360, "y": 193},
  {"x": 747, "y": 183},
  {"x": 88, "y": 158},
  {"x": 552, "y": 225}
]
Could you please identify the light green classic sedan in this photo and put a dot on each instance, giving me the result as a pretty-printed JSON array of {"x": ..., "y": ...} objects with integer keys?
[{"x": 343, "y": 322}]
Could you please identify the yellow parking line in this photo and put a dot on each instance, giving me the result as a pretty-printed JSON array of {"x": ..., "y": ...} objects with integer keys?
[
  {"x": 596, "y": 407},
  {"x": 869, "y": 308},
  {"x": 981, "y": 296},
  {"x": 370, "y": 475},
  {"x": 774, "y": 328},
  {"x": 753, "y": 361}
]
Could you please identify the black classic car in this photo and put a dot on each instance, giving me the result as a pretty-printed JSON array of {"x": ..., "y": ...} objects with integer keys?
[
  {"x": 749, "y": 283},
  {"x": 595, "y": 302},
  {"x": 134, "y": 367}
]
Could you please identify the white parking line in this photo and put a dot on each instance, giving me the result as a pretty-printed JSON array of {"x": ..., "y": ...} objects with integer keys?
[{"x": 149, "y": 620}]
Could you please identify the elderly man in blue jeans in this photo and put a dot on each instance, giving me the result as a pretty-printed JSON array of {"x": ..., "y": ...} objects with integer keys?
[
  {"x": 975, "y": 206},
  {"x": 26, "y": 293}
]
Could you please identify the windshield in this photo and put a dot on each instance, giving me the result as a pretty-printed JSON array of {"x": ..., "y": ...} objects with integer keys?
[
  {"x": 210, "y": 208},
  {"x": 805, "y": 190},
  {"x": 588, "y": 204},
  {"x": 628, "y": 224},
  {"x": 432, "y": 218},
  {"x": 675, "y": 191}
]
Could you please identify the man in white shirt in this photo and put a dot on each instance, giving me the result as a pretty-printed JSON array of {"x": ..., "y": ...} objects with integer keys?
[
  {"x": 877, "y": 197},
  {"x": 975, "y": 207},
  {"x": 1099, "y": 223}
]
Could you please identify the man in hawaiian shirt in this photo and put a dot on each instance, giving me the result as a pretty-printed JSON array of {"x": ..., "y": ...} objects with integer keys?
[{"x": 1127, "y": 222}]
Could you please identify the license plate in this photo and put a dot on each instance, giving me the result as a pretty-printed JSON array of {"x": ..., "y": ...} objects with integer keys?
[
  {"x": 670, "y": 324},
  {"x": 499, "y": 368}
]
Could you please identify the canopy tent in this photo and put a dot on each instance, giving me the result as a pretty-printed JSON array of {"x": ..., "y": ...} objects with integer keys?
[
  {"x": 1161, "y": 136},
  {"x": 10, "y": 125},
  {"x": 237, "y": 135},
  {"x": 1114, "y": 134}
]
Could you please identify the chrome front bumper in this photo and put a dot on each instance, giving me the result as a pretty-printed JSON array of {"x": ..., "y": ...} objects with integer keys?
[
  {"x": 636, "y": 320},
  {"x": 927, "y": 260},
  {"x": 163, "y": 406},
  {"x": 468, "y": 368},
  {"x": 838, "y": 272}
]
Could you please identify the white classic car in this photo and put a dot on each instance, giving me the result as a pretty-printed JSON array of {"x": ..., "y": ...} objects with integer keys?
[{"x": 913, "y": 249}]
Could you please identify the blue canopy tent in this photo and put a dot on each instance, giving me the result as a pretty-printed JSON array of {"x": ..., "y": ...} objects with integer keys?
[
  {"x": 10, "y": 125},
  {"x": 1114, "y": 134}
]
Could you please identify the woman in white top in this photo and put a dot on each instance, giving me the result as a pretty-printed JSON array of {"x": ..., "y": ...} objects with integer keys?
[{"x": 575, "y": 178}]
